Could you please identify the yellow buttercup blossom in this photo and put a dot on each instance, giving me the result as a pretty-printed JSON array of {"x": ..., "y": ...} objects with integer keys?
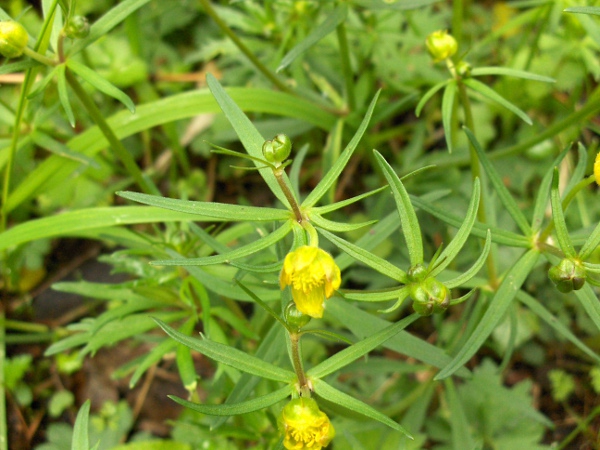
[
  {"x": 597, "y": 169},
  {"x": 313, "y": 276},
  {"x": 305, "y": 426}
]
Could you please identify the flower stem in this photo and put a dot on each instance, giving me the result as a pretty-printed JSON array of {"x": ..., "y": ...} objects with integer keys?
[
  {"x": 278, "y": 172},
  {"x": 120, "y": 151},
  {"x": 297, "y": 360},
  {"x": 39, "y": 57},
  {"x": 245, "y": 50}
]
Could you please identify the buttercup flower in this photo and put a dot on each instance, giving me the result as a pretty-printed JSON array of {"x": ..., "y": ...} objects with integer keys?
[
  {"x": 441, "y": 45},
  {"x": 305, "y": 426},
  {"x": 13, "y": 39},
  {"x": 313, "y": 277}
]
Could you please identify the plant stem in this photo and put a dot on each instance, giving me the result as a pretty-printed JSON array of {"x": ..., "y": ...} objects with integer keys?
[
  {"x": 120, "y": 151},
  {"x": 245, "y": 50},
  {"x": 288, "y": 194},
  {"x": 297, "y": 360},
  {"x": 3, "y": 424},
  {"x": 39, "y": 57},
  {"x": 346, "y": 67}
]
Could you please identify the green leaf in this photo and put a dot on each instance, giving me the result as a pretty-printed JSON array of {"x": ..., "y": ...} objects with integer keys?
[
  {"x": 363, "y": 324},
  {"x": 498, "y": 305},
  {"x": 594, "y": 10},
  {"x": 74, "y": 222},
  {"x": 47, "y": 142},
  {"x": 507, "y": 200},
  {"x": 476, "y": 267},
  {"x": 341, "y": 204},
  {"x": 107, "y": 22},
  {"x": 234, "y": 409},
  {"x": 209, "y": 210},
  {"x": 333, "y": 174},
  {"x": 361, "y": 348},
  {"x": 262, "y": 304},
  {"x": 336, "y": 396},
  {"x": 479, "y": 71},
  {"x": 54, "y": 170},
  {"x": 558, "y": 216},
  {"x": 590, "y": 303},
  {"x": 541, "y": 200},
  {"x": 339, "y": 227},
  {"x": 408, "y": 217},
  {"x": 447, "y": 110},
  {"x": 488, "y": 92},
  {"x": 499, "y": 235},
  {"x": 450, "y": 252},
  {"x": 101, "y": 84},
  {"x": 430, "y": 93},
  {"x": 337, "y": 16},
  {"x": 580, "y": 169},
  {"x": 380, "y": 295},
  {"x": 366, "y": 257},
  {"x": 563, "y": 330},
  {"x": 231, "y": 356},
  {"x": 81, "y": 441},
  {"x": 18, "y": 66},
  {"x": 249, "y": 136},
  {"x": 63, "y": 95},
  {"x": 376, "y": 5},
  {"x": 150, "y": 358},
  {"x": 246, "y": 250},
  {"x": 590, "y": 244},
  {"x": 459, "y": 424},
  {"x": 41, "y": 85}
]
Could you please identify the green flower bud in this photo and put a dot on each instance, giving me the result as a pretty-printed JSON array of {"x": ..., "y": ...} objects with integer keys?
[
  {"x": 13, "y": 39},
  {"x": 78, "y": 27},
  {"x": 463, "y": 68},
  {"x": 430, "y": 296},
  {"x": 295, "y": 318},
  {"x": 277, "y": 150},
  {"x": 417, "y": 273},
  {"x": 441, "y": 45},
  {"x": 569, "y": 275}
]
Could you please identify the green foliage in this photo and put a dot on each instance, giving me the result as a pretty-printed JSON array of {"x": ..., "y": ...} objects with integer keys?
[{"x": 200, "y": 143}]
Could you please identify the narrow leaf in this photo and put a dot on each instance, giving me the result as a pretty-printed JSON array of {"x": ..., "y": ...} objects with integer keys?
[
  {"x": 101, "y": 84},
  {"x": 231, "y": 356},
  {"x": 594, "y": 10},
  {"x": 479, "y": 71},
  {"x": 590, "y": 303},
  {"x": 430, "y": 93},
  {"x": 339, "y": 227},
  {"x": 509, "y": 287},
  {"x": 233, "y": 409},
  {"x": 222, "y": 211},
  {"x": 488, "y": 92},
  {"x": 335, "y": 171},
  {"x": 366, "y": 257},
  {"x": 450, "y": 252},
  {"x": 507, "y": 200},
  {"x": 590, "y": 244},
  {"x": 338, "y": 205},
  {"x": 336, "y": 396},
  {"x": 447, "y": 110},
  {"x": 558, "y": 216},
  {"x": 408, "y": 217},
  {"x": 81, "y": 440},
  {"x": 241, "y": 252},
  {"x": 361, "y": 348},
  {"x": 476, "y": 267},
  {"x": 63, "y": 95},
  {"x": 337, "y": 16},
  {"x": 459, "y": 424}
]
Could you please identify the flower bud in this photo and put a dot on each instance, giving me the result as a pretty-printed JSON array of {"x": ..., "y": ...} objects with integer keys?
[
  {"x": 77, "y": 27},
  {"x": 597, "y": 169},
  {"x": 463, "y": 68},
  {"x": 304, "y": 425},
  {"x": 430, "y": 296},
  {"x": 441, "y": 45},
  {"x": 417, "y": 273},
  {"x": 13, "y": 39},
  {"x": 277, "y": 150},
  {"x": 569, "y": 275},
  {"x": 294, "y": 317}
]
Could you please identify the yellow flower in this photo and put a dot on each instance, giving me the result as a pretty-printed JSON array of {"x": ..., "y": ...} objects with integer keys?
[
  {"x": 597, "y": 169},
  {"x": 313, "y": 277},
  {"x": 441, "y": 45},
  {"x": 305, "y": 426}
]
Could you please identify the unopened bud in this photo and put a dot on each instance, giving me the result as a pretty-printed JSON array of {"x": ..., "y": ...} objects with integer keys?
[
  {"x": 295, "y": 318},
  {"x": 441, "y": 45},
  {"x": 13, "y": 39},
  {"x": 430, "y": 296},
  {"x": 277, "y": 150},
  {"x": 568, "y": 275},
  {"x": 78, "y": 27}
]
